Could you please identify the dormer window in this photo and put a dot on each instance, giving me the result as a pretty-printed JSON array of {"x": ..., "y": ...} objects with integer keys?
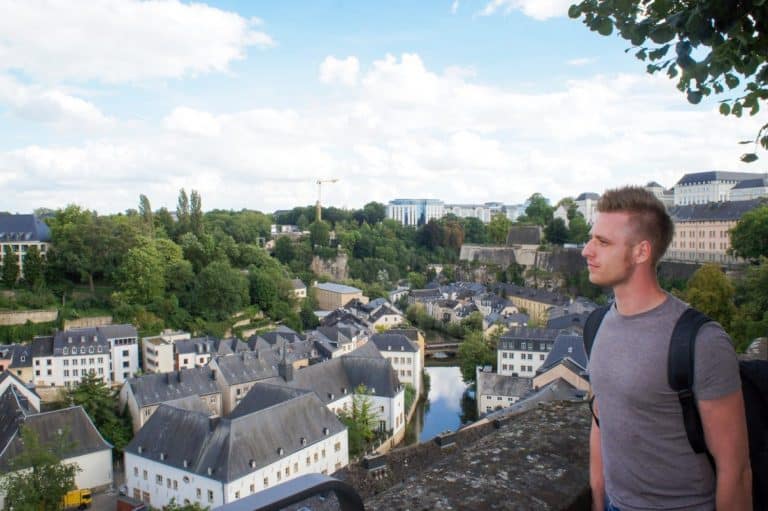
[
  {"x": 90, "y": 350},
  {"x": 98, "y": 350},
  {"x": 280, "y": 451},
  {"x": 326, "y": 431},
  {"x": 82, "y": 351},
  {"x": 303, "y": 441},
  {"x": 65, "y": 351}
]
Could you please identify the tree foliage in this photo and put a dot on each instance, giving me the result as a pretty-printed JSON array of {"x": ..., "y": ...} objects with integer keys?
[
  {"x": 556, "y": 231},
  {"x": 34, "y": 268},
  {"x": 10, "y": 273},
  {"x": 749, "y": 238},
  {"x": 99, "y": 402},
  {"x": 498, "y": 229},
  {"x": 360, "y": 421},
  {"x": 38, "y": 479},
  {"x": 712, "y": 47},
  {"x": 474, "y": 351},
  {"x": 710, "y": 291}
]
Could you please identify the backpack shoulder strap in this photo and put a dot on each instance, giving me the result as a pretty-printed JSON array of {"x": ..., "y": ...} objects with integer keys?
[
  {"x": 680, "y": 371},
  {"x": 592, "y": 324}
]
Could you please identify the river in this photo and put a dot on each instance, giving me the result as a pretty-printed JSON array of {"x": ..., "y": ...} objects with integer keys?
[{"x": 447, "y": 406}]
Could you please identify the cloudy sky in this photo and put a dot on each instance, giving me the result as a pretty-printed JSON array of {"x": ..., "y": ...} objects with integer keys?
[{"x": 251, "y": 102}]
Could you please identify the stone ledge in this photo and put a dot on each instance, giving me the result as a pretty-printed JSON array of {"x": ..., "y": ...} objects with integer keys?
[{"x": 538, "y": 460}]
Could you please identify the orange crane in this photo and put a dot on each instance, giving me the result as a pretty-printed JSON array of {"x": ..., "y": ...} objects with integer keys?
[{"x": 320, "y": 183}]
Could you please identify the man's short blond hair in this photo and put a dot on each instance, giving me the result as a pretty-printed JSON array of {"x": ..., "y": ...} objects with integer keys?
[{"x": 648, "y": 216}]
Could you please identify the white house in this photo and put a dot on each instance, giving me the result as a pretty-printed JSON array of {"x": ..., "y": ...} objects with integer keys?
[
  {"x": 275, "y": 434},
  {"x": 586, "y": 204},
  {"x": 403, "y": 354},
  {"x": 68, "y": 427},
  {"x": 20, "y": 233},
  {"x": 496, "y": 391},
  {"x": 522, "y": 350},
  {"x": 711, "y": 186}
]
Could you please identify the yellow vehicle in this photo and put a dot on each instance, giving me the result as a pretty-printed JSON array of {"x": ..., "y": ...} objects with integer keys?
[{"x": 80, "y": 499}]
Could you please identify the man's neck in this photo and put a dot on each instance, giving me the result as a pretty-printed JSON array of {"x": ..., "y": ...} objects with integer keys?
[{"x": 637, "y": 297}]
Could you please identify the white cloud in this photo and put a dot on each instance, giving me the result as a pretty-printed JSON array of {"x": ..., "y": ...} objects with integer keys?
[
  {"x": 454, "y": 6},
  {"x": 333, "y": 70},
  {"x": 584, "y": 61},
  {"x": 50, "y": 105},
  {"x": 407, "y": 131},
  {"x": 122, "y": 40},
  {"x": 537, "y": 9}
]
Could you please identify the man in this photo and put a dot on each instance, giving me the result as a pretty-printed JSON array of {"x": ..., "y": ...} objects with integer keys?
[{"x": 640, "y": 457}]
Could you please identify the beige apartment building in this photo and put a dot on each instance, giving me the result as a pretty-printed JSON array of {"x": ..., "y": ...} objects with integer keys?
[
  {"x": 331, "y": 296},
  {"x": 702, "y": 231}
]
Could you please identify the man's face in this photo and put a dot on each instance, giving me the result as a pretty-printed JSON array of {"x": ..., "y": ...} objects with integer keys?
[{"x": 609, "y": 252}]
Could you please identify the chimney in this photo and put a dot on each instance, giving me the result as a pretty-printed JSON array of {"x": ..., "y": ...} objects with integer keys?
[{"x": 285, "y": 369}]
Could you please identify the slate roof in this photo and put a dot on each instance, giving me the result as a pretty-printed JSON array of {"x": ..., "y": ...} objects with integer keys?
[
  {"x": 298, "y": 284},
  {"x": 526, "y": 334},
  {"x": 344, "y": 318},
  {"x": 155, "y": 388},
  {"x": 21, "y": 351},
  {"x": 247, "y": 366},
  {"x": 235, "y": 446},
  {"x": 81, "y": 339},
  {"x": 524, "y": 235},
  {"x": 715, "y": 175},
  {"x": 385, "y": 310},
  {"x": 190, "y": 403},
  {"x": 759, "y": 182},
  {"x": 12, "y": 413},
  {"x": 714, "y": 211},
  {"x": 337, "y": 288},
  {"x": 566, "y": 346},
  {"x": 393, "y": 342},
  {"x": 15, "y": 228},
  {"x": 11, "y": 380},
  {"x": 331, "y": 378},
  {"x": 410, "y": 333},
  {"x": 494, "y": 384},
  {"x": 262, "y": 396},
  {"x": 367, "y": 350},
  {"x": 568, "y": 321},
  {"x": 653, "y": 184},
  {"x": 42, "y": 346},
  {"x": 76, "y": 429},
  {"x": 535, "y": 294},
  {"x": 426, "y": 293},
  {"x": 589, "y": 195}
]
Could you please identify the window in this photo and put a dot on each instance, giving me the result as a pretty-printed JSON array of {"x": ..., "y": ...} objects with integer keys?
[
  {"x": 237, "y": 494},
  {"x": 126, "y": 353},
  {"x": 253, "y": 488},
  {"x": 279, "y": 476},
  {"x": 65, "y": 351},
  {"x": 337, "y": 446},
  {"x": 266, "y": 482},
  {"x": 175, "y": 484},
  {"x": 126, "y": 363},
  {"x": 136, "y": 471},
  {"x": 199, "y": 493},
  {"x": 295, "y": 467},
  {"x": 316, "y": 457},
  {"x": 322, "y": 453},
  {"x": 66, "y": 372},
  {"x": 287, "y": 471},
  {"x": 90, "y": 361},
  {"x": 308, "y": 461},
  {"x": 49, "y": 372},
  {"x": 144, "y": 474},
  {"x": 90, "y": 349},
  {"x": 74, "y": 361},
  {"x": 159, "y": 479}
]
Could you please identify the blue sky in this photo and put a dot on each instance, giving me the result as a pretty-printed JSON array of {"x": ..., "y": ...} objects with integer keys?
[{"x": 251, "y": 102}]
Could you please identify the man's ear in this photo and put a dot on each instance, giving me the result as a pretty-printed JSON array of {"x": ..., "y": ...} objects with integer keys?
[{"x": 642, "y": 251}]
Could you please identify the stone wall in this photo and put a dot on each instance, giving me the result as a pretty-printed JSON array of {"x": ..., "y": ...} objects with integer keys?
[
  {"x": 335, "y": 269},
  {"x": 21, "y": 317},
  {"x": 87, "y": 322},
  {"x": 500, "y": 255},
  {"x": 535, "y": 461}
]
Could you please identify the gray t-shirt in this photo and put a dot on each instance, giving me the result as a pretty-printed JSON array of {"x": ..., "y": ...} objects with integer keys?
[{"x": 647, "y": 460}]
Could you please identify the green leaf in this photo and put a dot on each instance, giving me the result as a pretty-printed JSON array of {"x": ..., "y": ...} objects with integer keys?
[
  {"x": 651, "y": 68},
  {"x": 574, "y": 11},
  {"x": 672, "y": 71},
  {"x": 700, "y": 72},
  {"x": 731, "y": 81},
  {"x": 694, "y": 97},
  {"x": 605, "y": 26},
  {"x": 744, "y": 142},
  {"x": 685, "y": 61},
  {"x": 764, "y": 142},
  {"x": 748, "y": 157},
  {"x": 641, "y": 54},
  {"x": 662, "y": 34},
  {"x": 725, "y": 108},
  {"x": 683, "y": 48},
  {"x": 659, "y": 52},
  {"x": 736, "y": 109}
]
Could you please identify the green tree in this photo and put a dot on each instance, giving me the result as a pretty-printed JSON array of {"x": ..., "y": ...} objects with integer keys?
[
  {"x": 10, "y": 267},
  {"x": 307, "y": 312},
  {"x": 34, "y": 268},
  {"x": 374, "y": 212},
  {"x": 473, "y": 322},
  {"x": 498, "y": 229},
  {"x": 360, "y": 421},
  {"x": 142, "y": 274},
  {"x": 319, "y": 233},
  {"x": 182, "y": 213},
  {"x": 538, "y": 211},
  {"x": 751, "y": 321},
  {"x": 749, "y": 237},
  {"x": 417, "y": 280},
  {"x": 174, "y": 506},
  {"x": 474, "y": 231},
  {"x": 284, "y": 251},
  {"x": 145, "y": 212},
  {"x": 710, "y": 291},
  {"x": 220, "y": 291},
  {"x": 556, "y": 231},
  {"x": 474, "y": 351},
  {"x": 711, "y": 46},
  {"x": 196, "y": 213},
  {"x": 37, "y": 478},
  {"x": 99, "y": 402},
  {"x": 578, "y": 229}
]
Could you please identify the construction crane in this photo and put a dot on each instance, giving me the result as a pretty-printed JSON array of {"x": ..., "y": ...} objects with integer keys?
[{"x": 320, "y": 183}]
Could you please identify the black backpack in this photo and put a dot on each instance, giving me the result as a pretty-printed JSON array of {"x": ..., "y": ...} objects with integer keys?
[{"x": 754, "y": 386}]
